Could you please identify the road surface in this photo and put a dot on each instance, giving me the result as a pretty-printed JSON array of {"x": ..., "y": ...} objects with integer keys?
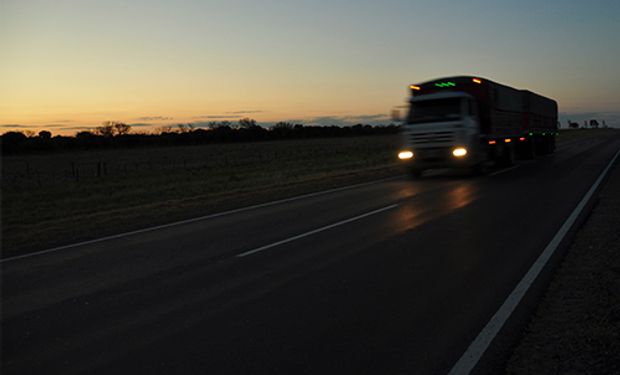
[{"x": 392, "y": 277}]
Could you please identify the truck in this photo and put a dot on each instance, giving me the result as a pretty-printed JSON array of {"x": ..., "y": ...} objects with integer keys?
[{"x": 471, "y": 122}]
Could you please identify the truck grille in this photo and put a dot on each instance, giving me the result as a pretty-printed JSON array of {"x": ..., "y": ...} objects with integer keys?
[{"x": 431, "y": 137}]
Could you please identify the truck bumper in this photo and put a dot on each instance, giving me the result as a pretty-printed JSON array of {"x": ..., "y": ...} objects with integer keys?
[{"x": 434, "y": 158}]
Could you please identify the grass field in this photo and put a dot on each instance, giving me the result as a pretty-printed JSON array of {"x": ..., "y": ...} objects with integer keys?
[
  {"x": 569, "y": 134},
  {"x": 55, "y": 199}
]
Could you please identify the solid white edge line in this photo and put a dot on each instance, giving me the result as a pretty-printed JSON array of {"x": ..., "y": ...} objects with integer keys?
[
  {"x": 200, "y": 218},
  {"x": 504, "y": 170},
  {"x": 306, "y": 234},
  {"x": 476, "y": 349}
]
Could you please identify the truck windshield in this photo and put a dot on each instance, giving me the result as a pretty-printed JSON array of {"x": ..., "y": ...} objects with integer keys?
[{"x": 434, "y": 110}]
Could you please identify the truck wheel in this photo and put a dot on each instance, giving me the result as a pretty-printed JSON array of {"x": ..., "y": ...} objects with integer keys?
[
  {"x": 552, "y": 144},
  {"x": 525, "y": 150},
  {"x": 544, "y": 145},
  {"x": 507, "y": 157}
]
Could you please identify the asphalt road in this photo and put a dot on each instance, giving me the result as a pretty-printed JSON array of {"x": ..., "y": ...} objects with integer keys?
[{"x": 393, "y": 277}]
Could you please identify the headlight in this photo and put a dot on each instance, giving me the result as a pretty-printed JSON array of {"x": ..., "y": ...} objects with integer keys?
[
  {"x": 459, "y": 152},
  {"x": 404, "y": 155}
]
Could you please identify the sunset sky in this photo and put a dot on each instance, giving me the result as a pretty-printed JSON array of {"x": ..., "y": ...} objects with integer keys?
[{"x": 66, "y": 65}]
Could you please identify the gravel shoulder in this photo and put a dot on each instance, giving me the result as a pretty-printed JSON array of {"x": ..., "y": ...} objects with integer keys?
[{"x": 576, "y": 327}]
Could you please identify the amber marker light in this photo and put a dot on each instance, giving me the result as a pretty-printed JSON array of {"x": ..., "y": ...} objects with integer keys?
[
  {"x": 459, "y": 152},
  {"x": 507, "y": 140},
  {"x": 476, "y": 80},
  {"x": 414, "y": 87},
  {"x": 492, "y": 142},
  {"x": 405, "y": 155}
]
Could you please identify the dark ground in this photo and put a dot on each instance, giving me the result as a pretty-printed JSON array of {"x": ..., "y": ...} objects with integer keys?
[{"x": 401, "y": 286}]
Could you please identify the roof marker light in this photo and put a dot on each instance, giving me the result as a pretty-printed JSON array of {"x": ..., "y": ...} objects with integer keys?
[
  {"x": 445, "y": 84},
  {"x": 414, "y": 87},
  {"x": 477, "y": 80}
]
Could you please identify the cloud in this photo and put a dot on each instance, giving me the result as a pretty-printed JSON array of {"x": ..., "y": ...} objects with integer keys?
[
  {"x": 382, "y": 117},
  {"x": 53, "y": 126},
  {"x": 227, "y": 115},
  {"x": 77, "y": 128},
  {"x": 245, "y": 112},
  {"x": 216, "y": 117},
  {"x": 370, "y": 119},
  {"x": 15, "y": 126},
  {"x": 140, "y": 124},
  {"x": 154, "y": 118}
]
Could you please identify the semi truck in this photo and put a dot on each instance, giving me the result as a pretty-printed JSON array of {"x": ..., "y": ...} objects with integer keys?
[{"x": 472, "y": 122}]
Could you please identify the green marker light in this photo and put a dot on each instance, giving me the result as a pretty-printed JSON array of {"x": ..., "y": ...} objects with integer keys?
[
  {"x": 445, "y": 84},
  {"x": 531, "y": 134}
]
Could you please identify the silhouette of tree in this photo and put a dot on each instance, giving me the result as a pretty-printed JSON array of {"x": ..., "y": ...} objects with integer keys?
[
  {"x": 183, "y": 128},
  {"x": 283, "y": 125},
  {"x": 84, "y": 134},
  {"x": 165, "y": 129},
  {"x": 115, "y": 135},
  {"x": 120, "y": 128},
  {"x": 111, "y": 128},
  {"x": 44, "y": 134},
  {"x": 247, "y": 123},
  {"x": 106, "y": 129},
  {"x": 213, "y": 125},
  {"x": 13, "y": 141}
]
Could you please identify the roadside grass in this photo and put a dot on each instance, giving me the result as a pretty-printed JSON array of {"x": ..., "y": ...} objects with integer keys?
[{"x": 54, "y": 199}]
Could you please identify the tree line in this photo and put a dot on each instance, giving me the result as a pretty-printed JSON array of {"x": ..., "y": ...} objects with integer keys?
[{"x": 119, "y": 135}]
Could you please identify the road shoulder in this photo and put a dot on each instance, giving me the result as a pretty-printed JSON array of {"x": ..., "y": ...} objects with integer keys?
[{"x": 576, "y": 327}]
